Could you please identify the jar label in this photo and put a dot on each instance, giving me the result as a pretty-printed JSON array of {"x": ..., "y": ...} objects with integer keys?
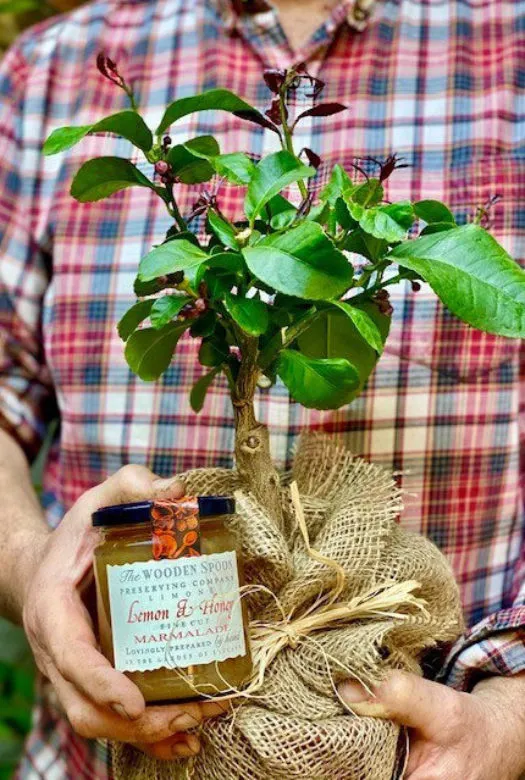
[{"x": 176, "y": 613}]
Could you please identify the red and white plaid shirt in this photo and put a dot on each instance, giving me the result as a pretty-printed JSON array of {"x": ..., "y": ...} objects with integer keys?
[{"x": 438, "y": 82}]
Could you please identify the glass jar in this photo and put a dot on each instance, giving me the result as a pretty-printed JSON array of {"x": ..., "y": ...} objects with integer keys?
[{"x": 170, "y": 616}]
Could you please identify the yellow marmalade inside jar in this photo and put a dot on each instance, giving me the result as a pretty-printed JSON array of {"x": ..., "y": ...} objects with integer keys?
[{"x": 175, "y": 626}]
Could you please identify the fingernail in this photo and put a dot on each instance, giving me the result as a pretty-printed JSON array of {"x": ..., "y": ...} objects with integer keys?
[
  {"x": 183, "y": 722},
  {"x": 353, "y": 692},
  {"x": 186, "y": 749},
  {"x": 121, "y": 712},
  {"x": 212, "y": 709}
]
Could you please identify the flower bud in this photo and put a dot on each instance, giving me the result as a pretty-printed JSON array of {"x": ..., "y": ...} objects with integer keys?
[{"x": 162, "y": 167}]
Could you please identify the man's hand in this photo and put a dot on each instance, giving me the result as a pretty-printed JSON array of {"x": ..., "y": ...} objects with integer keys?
[
  {"x": 453, "y": 736},
  {"x": 98, "y": 700}
]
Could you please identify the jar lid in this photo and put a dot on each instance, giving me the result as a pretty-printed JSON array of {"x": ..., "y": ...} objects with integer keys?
[{"x": 140, "y": 511}]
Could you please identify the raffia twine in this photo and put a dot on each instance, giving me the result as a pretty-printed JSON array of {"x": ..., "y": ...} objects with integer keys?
[{"x": 342, "y": 592}]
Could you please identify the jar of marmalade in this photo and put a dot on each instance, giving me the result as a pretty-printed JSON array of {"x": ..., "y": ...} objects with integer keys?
[{"x": 170, "y": 615}]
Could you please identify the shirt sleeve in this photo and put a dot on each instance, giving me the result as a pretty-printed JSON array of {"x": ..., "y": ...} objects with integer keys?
[
  {"x": 493, "y": 647},
  {"x": 26, "y": 393}
]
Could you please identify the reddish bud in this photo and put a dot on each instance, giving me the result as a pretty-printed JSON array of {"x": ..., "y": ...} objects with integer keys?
[
  {"x": 274, "y": 112},
  {"x": 313, "y": 158},
  {"x": 323, "y": 109},
  {"x": 274, "y": 79},
  {"x": 416, "y": 287},
  {"x": 108, "y": 69},
  {"x": 162, "y": 167},
  {"x": 200, "y": 304}
]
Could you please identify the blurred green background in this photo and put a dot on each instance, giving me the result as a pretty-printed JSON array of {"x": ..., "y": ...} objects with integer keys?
[
  {"x": 17, "y": 669},
  {"x": 16, "y": 666}
]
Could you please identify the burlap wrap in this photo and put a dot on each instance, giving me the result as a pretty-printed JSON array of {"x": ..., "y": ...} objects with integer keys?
[{"x": 295, "y": 726}]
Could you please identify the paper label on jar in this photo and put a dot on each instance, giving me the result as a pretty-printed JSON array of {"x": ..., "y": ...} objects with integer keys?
[{"x": 176, "y": 613}]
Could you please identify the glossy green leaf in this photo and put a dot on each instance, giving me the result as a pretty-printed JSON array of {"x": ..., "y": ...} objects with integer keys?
[
  {"x": 237, "y": 168},
  {"x": 343, "y": 215},
  {"x": 204, "y": 325},
  {"x": 432, "y": 211},
  {"x": 334, "y": 335},
  {"x": 133, "y": 317},
  {"x": 284, "y": 219},
  {"x": 231, "y": 262},
  {"x": 166, "y": 309},
  {"x": 104, "y": 176},
  {"x": 366, "y": 245},
  {"x": 302, "y": 262},
  {"x": 224, "y": 230},
  {"x": 127, "y": 124},
  {"x": 364, "y": 323},
  {"x": 437, "y": 227},
  {"x": 189, "y": 160},
  {"x": 250, "y": 314},
  {"x": 339, "y": 182},
  {"x": 390, "y": 223},
  {"x": 200, "y": 389},
  {"x": 213, "y": 351},
  {"x": 149, "y": 351},
  {"x": 473, "y": 275},
  {"x": 317, "y": 384},
  {"x": 368, "y": 193},
  {"x": 272, "y": 175},
  {"x": 219, "y": 99},
  {"x": 170, "y": 257}
]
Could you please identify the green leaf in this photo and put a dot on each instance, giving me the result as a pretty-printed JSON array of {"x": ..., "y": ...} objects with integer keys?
[
  {"x": 369, "y": 193},
  {"x": 284, "y": 219},
  {"x": 133, "y": 317},
  {"x": 189, "y": 160},
  {"x": 437, "y": 227},
  {"x": 317, "y": 384},
  {"x": 250, "y": 314},
  {"x": 343, "y": 215},
  {"x": 224, "y": 230},
  {"x": 473, "y": 275},
  {"x": 166, "y": 308},
  {"x": 237, "y": 168},
  {"x": 213, "y": 351},
  {"x": 432, "y": 211},
  {"x": 231, "y": 262},
  {"x": 200, "y": 388},
  {"x": 149, "y": 351},
  {"x": 364, "y": 324},
  {"x": 302, "y": 262},
  {"x": 170, "y": 257},
  {"x": 272, "y": 175},
  {"x": 339, "y": 182},
  {"x": 334, "y": 335},
  {"x": 103, "y": 176},
  {"x": 366, "y": 245},
  {"x": 385, "y": 222},
  {"x": 319, "y": 213},
  {"x": 127, "y": 124},
  {"x": 204, "y": 325},
  {"x": 220, "y": 99}
]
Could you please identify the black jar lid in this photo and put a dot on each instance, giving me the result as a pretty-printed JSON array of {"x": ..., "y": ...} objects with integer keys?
[{"x": 139, "y": 511}]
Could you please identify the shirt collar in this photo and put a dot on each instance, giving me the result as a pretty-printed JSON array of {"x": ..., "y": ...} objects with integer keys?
[{"x": 356, "y": 12}]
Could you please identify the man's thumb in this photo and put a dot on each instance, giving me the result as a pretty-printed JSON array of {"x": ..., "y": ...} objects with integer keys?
[{"x": 403, "y": 697}]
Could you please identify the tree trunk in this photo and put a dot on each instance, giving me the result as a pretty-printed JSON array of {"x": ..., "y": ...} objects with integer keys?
[{"x": 252, "y": 440}]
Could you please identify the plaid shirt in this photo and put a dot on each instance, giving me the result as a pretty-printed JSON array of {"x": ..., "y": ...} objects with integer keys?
[{"x": 438, "y": 82}]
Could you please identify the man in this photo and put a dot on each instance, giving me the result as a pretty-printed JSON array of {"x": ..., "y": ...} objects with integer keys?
[{"x": 437, "y": 82}]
